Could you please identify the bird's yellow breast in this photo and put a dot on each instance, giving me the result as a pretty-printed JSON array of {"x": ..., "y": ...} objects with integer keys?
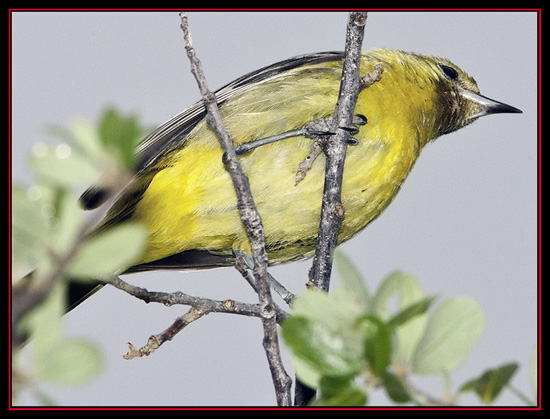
[{"x": 191, "y": 204}]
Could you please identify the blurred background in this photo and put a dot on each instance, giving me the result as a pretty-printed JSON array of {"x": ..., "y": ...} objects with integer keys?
[{"x": 464, "y": 223}]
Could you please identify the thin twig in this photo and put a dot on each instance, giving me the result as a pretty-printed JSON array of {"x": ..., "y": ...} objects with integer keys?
[
  {"x": 307, "y": 163},
  {"x": 205, "y": 304},
  {"x": 334, "y": 147},
  {"x": 154, "y": 342},
  {"x": 199, "y": 308},
  {"x": 251, "y": 221},
  {"x": 332, "y": 212}
]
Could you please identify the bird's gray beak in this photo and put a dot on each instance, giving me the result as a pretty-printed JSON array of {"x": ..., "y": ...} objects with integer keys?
[{"x": 485, "y": 106}]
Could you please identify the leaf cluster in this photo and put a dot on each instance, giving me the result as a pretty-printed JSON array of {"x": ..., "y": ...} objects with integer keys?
[
  {"x": 49, "y": 235},
  {"x": 351, "y": 341}
]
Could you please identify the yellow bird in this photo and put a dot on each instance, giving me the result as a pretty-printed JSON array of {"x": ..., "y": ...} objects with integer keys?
[{"x": 184, "y": 196}]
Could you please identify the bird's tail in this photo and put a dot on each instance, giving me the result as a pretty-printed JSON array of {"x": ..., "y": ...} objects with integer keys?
[{"x": 79, "y": 292}]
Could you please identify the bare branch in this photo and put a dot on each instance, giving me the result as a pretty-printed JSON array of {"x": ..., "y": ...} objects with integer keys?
[
  {"x": 199, "y": 308},
  {"x": 251, "y": 221},
  {"x": 155, "y": 341},
  {"x": 332, "y": 212},
  {"x": 372, "y": 77},
  {"x": 204, "y": 304},
  {"x": 333, "y": 142},
  {"x": 334, "y": 147},
  {"x": 305, "y": 165}
]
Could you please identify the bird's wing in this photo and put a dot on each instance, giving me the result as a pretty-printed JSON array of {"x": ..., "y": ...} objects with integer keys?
[{"x": 176, "y": 129}]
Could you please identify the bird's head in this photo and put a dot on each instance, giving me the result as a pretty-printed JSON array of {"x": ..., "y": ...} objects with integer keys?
[{"x": 436, "y": 91}]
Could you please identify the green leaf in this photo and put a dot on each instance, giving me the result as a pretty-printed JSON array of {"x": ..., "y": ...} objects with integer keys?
[
  {"x": 349, "y": 397},
  {"x": 29, "y": 226},
  {"x": 469, "y": 385},
  {"x": 336, "y": 309},
  {"x": 330, "y": 340},
  {"x": 396, "y": 283},
  {"x": 81, "y": 134},
  {"x": 121, "y": 134},
  {"x": 69, "y": 219},
  {"x": 395, "y": 388},
  {"x": 307, "y": 374},
  {"x": 71, "y": 361},
  {"x": 62, "y": 165},
  {"x": 408, "y": 291},
  {"x": 409, "y": 313},
  {"x": 321, "y": 347},
  {"x": 377, "y": 344},
  {"x": 352, "y": 279},
  {"x": 44, "y": 322},
  {"x": 340, "y": 391},
  {"x": 489, "y": 385},
  {"x": 452, "y": 330},
  {"x": 85, "y": 137},
  {"x": 109, "y": 252},
  {"x": 56, "y": 358}
]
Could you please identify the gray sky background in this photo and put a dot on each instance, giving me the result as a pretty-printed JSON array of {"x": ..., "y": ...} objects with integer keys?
[{"x": 465, "y": 222}]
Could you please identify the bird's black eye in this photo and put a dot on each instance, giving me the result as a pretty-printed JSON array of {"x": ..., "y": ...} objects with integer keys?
[{"x": 450, "y": 72}]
